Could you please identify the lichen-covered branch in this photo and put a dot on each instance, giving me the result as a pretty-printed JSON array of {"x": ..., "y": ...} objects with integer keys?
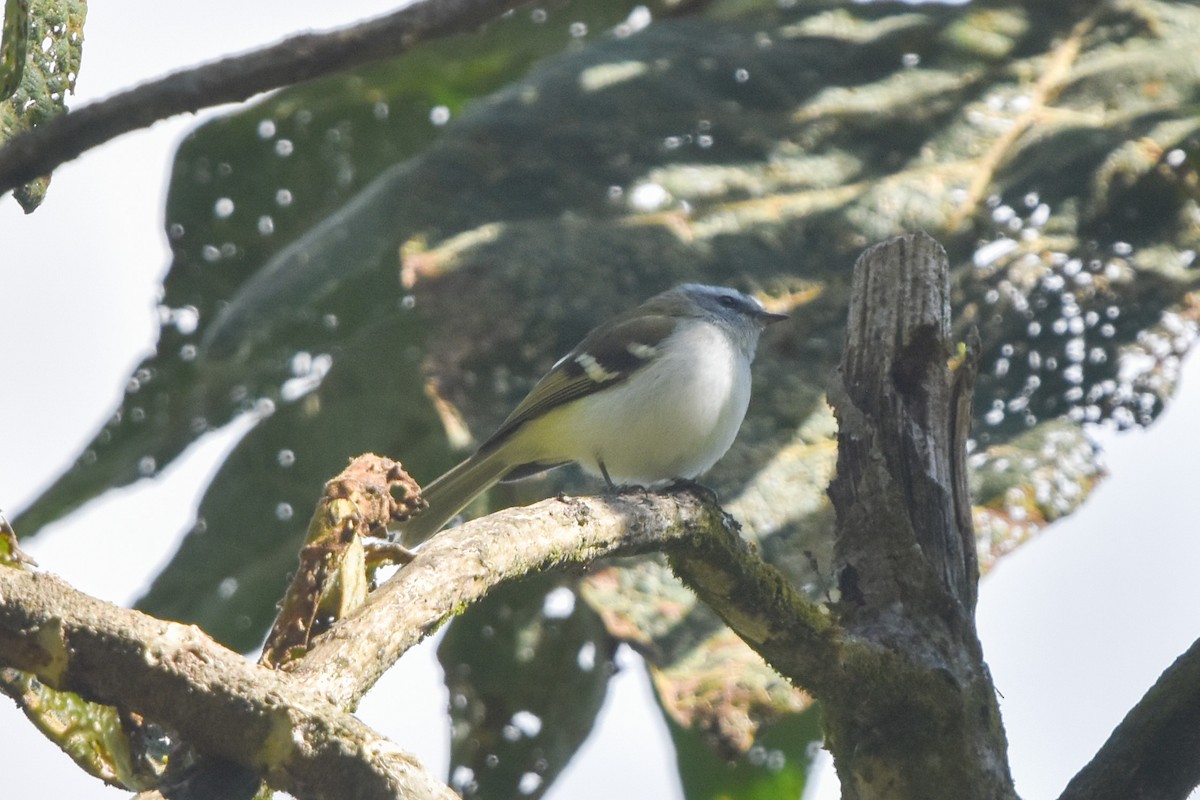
[
  {"x": 211, "y": 696},
  {"x": 795, "y": 636},
  {"x": 230, "y": 80},
  {"x": 459, "y": 566}
]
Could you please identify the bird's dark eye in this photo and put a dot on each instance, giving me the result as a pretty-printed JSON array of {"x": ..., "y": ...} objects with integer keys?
[{"x": 728, "y": 301}]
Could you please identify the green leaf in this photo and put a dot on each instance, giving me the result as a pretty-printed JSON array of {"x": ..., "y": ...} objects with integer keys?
[
  {"x": 13, "y": 46},
  {"x": 525, "y": 688},
  {"x": 118, "y": 748},
  {"x": 719, "y": 696},
  {"x": 776, "y": 766},
  {"x": 34, "y": 81},
  {"x": 1022, "y": 486}
]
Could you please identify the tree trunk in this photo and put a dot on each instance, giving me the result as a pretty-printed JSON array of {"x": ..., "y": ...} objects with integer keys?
[{"x": 915, "y": 715}]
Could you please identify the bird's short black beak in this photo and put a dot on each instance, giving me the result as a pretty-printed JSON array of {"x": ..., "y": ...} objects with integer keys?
[{"x": 769, "y": 317}]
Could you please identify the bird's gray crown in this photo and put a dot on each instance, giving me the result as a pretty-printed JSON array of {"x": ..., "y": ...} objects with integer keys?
[{"x": 722, "y": 301}]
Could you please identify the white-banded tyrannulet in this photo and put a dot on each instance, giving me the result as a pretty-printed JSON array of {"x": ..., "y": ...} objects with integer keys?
[{"x": 655, "y": 394}]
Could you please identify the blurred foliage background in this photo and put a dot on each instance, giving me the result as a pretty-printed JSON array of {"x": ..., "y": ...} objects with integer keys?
[{"x": 387, "y": 259}]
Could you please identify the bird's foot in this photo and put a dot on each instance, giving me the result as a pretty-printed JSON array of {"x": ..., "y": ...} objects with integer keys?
[{"x": 624, "y": 488}]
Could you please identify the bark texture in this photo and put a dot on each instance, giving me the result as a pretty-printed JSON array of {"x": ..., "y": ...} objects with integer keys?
[
  {"x": 212, "y": 697},
  {"x": 914, "y": 713}
]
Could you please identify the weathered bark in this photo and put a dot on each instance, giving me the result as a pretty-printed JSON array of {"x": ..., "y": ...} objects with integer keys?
[
  {"x": 914, "y": 714},
  {"x": 212, "y": 697}
]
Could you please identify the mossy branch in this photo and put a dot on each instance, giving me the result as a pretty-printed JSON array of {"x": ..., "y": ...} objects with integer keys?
[{"x": 460, "y": 566}]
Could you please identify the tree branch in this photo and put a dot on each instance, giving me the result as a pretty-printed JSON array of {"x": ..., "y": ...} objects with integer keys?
[
  {"x": 1155, "y": 751},
  {"x": 459, "y": 566},
  {"x": 230, "y": 80},
  {"x": 291, "y": 727},
  {"x": 211, "y": 696}
]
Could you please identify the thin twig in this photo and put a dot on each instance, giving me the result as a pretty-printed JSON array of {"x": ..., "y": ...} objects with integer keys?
[{"x": 234, "y": 79}]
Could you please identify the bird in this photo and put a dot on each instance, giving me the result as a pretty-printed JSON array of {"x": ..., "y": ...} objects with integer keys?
[{"x": 654, "y": 395}]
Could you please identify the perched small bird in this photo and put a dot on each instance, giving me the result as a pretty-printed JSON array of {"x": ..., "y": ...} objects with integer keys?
[{"x": 655, "y": 394}]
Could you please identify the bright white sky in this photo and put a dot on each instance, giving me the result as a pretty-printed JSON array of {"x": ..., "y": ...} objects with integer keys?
[{"x": 1075, "y": 626}]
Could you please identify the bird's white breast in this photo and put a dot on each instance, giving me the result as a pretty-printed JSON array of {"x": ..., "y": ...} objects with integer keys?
[{"x": 674, "y": 418}]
